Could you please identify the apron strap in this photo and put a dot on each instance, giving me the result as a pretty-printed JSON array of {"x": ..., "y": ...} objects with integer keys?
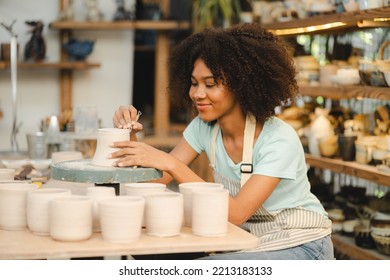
[
  {"x": 249, "y": 135},
  {"x": 213, "y": 143}
]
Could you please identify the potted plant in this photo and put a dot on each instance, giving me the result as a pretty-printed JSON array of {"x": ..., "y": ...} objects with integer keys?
[{"x": 221, "y": 13}]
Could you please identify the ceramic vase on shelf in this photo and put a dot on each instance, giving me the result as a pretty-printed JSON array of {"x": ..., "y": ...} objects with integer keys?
[
  {"x": 106, "y": 136},
  {"x": 320, "y": 128}
]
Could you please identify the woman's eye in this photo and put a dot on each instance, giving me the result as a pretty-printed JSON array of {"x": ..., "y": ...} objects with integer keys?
[{"x": 210, "y": 85}]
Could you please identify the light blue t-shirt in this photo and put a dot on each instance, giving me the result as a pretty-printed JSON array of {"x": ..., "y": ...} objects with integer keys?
[{"x": 278, "y": 152}]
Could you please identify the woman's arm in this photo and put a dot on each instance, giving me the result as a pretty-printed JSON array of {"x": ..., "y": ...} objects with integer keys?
[
  {"x": 251, "y": 196},
  {"x": 174, "y": 164}
]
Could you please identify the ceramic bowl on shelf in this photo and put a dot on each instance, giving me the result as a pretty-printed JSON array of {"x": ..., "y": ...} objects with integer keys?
[
  {"x": 382, "y": 243},
  {"x": 363, "y": 237}
]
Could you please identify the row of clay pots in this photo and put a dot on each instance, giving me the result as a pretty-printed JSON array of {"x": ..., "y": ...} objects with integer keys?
[{"x": 66, "y": 217}]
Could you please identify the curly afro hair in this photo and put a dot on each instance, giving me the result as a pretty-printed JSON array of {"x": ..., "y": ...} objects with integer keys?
[{"x": 253, "y": 63}]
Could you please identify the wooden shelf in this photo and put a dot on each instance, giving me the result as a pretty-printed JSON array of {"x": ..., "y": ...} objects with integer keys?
[
  {"x": 324, "y": 23},
  {"x": 346, "y": 92},
  {"x": 352, "y": 168},
  {"x": 52, "y": 65},
  {"x": 121, "y": 25},
  {"x": 347, "y": 246}
]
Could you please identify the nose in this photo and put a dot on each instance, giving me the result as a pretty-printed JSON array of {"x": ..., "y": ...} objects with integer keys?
[{"x": 198, "y": 92}]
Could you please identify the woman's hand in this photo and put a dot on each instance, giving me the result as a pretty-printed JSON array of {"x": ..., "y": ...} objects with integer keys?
[
  {"x": 126, "y": 117},
  {"x": 134, "y": 153}
]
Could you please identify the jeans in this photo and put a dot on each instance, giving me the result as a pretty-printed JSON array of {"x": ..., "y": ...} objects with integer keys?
[{"x": 321, "y": 249}]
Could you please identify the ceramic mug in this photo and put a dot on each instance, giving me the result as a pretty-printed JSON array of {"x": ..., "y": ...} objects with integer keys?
[
  {"x": 121, "y": 218},
  {"x": 13, "y": 205},
  {"x": 164, "y": 214},
  {"x": 66, "y": 156},
  {"x": 38, "y": 208},
  {"x": 210, "y": 210},
  {"x": 186, "y": 190},
  {"x": 97, "y": 194},
  {"x": 7, "y": 174},
  {"x": 70, "y": 218},
  {"x": 143, "y": 189}
]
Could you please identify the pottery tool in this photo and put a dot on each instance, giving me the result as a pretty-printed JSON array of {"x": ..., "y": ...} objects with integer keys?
[{"x": 130, "y": 128}]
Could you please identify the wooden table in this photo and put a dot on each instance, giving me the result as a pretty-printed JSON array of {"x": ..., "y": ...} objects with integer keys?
[{"x": 25, "y": 245}]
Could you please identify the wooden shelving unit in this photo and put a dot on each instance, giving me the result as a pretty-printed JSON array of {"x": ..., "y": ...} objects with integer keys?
[
  {"x": 163, "y": 25},
  {"x": 350, "y": 168},
  {"x": 163, "y": 28},
  {"x": 332, "y": 23},
  {"x": 346, "y": 245},
  {"x": 346, "y": 92},
  {"x": 53, "y": 65}
]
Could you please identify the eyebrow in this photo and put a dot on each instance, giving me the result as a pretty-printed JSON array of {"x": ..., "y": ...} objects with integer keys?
[{"x": 204, "y": 78}]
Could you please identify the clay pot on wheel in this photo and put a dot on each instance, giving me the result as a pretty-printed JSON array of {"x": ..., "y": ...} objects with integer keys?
[{"x": 107, "y": 136}]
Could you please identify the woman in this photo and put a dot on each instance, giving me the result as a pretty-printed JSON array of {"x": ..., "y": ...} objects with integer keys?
[{"x": 234, "y": 79}]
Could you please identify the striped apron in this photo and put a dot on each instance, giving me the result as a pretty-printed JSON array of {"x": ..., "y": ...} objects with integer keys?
[{"x": 278, "y": 229}]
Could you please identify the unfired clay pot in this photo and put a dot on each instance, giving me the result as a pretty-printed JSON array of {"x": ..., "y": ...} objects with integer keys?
[
  {"x": 97, "y": 194},
  {"x": 13, "y": 205},
  {"x": 66, "y": 156},
  {"x": 164, "y": 214},
  {"x": 106, "y": 136},
  {"x": 7, "y": 174},
  {"x": 121, "y": 218},
  {"x": 71, "y": 218},
  {"x": 210, "y": 212},
  {"x": 38, "y": 208},
  {"x": 186, "y": 190},
  {"x": 143, "y": 189}
]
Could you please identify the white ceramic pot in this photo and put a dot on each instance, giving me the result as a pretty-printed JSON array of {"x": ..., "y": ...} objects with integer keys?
[
  {"x": 66, "y": 156},
  {"x": 7, "y": 174},
  {"x": 13, "y": 205},
  {"x": 370, "y": 4},
  {"x": 106, "y": 136},
  {"x": 71, "y": 218},
  {"x": 38, "y": 208},
  {"x": 143, "y": 189},
  {"x": 164, "y": 214},
  {"x": 97, "y": 194},
  {"x": 210, "y": 210},
  {"x": 351, "y": 5},
  {"x": 186, "y": 190},
  {"x": 121, "y": 218}
]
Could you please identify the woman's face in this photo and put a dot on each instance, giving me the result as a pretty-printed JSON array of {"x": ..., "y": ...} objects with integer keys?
[{"x": 212, "y": 100}]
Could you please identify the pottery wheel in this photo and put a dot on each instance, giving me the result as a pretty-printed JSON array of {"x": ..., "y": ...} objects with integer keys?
[{"x": 83, "y": 172}]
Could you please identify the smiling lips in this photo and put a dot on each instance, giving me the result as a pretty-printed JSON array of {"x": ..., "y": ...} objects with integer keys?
[{"x": 202, "y": 106}]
